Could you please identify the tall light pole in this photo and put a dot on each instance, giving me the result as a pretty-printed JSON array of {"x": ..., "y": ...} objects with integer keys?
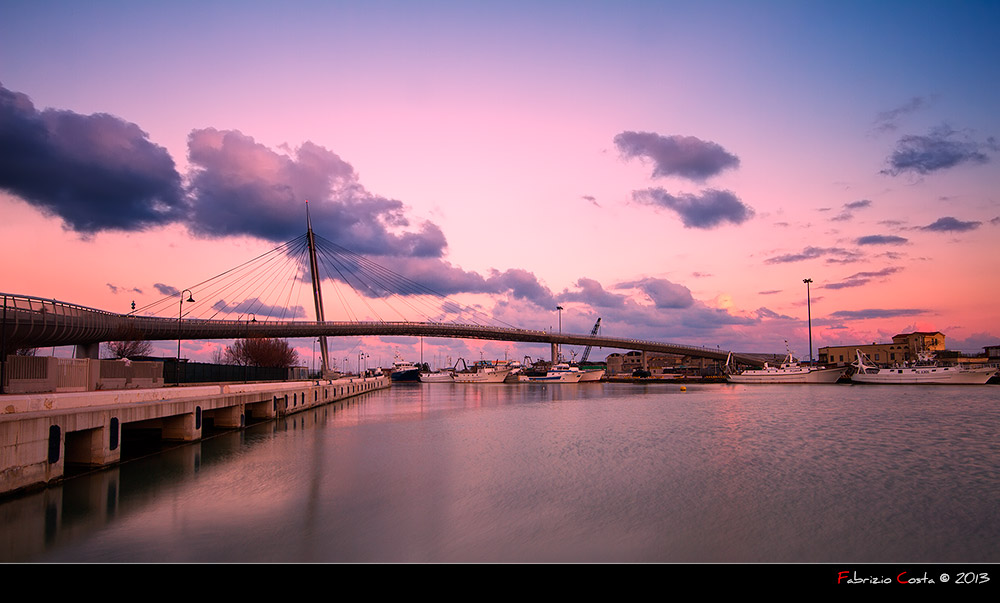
[
  {"x": 555, "y": 346},
  {"x": 180, "y": 313},
  {"x": 807, "y": 281}
]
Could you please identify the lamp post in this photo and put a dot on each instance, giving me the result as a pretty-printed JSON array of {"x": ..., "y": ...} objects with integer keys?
[
  {"x": 555, "y": 348},
  {"x": 807, "y": 281},
  {"x": 180, "y": 313}
]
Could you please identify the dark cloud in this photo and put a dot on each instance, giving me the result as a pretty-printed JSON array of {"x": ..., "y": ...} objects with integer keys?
[
  {"x": 591, "y": 199},
  {"x": 937, "y": 150},
  {"x": 861, "y": 278},
  {"x": 949, "y": 224},
  {"x": 96, "y": 172},
  {"x": 684, "y": 156},
  {"x": 166, "y": 289},
  {"x": 239, "y": 186},
  {"x": 256, "y": 307},
  {"x": 665, "y": 294},
  {"x": 771, "y": 292},
  {"x": 881, "y": 240},
  {"x": 875, "y": 313},
  {"x": 706, "y": 210}
]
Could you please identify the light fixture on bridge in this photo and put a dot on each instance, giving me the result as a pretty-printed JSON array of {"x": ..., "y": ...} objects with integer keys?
[{"x": 180, "y": 314}]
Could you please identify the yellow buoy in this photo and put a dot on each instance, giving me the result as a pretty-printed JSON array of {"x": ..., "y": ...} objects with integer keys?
[{"x": 683, "y": 389}]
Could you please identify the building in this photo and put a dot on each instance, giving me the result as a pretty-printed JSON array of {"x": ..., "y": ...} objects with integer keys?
[{"x": 903, "y": 349}]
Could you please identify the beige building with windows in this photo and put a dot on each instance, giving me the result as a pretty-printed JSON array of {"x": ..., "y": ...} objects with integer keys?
[{"x": 903, "y": 349}]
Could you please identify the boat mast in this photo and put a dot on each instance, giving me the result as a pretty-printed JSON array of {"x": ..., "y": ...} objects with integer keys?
[{"x": 317, "y": 293}]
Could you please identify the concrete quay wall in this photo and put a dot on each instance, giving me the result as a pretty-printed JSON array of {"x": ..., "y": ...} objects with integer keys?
[{"x": 40, "y": 434}]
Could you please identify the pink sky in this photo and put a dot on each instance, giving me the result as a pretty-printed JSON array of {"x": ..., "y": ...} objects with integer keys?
[{"x": 865, "y": 159}]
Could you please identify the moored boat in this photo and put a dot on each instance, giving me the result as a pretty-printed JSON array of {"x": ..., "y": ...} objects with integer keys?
[
  {"x": 591, "y": 375},
  {"x": 405, "y": 371},
  {"x": 559, "y": 373},
  {"x": 483, "y": 372},
  {"x": 438, "y": 377},
  {"x": 924, "y": 370},
  {"x": 789, "y": 371}
]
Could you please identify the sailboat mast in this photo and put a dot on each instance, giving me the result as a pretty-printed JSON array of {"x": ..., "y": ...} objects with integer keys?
[{"x": 317, "y": 293}]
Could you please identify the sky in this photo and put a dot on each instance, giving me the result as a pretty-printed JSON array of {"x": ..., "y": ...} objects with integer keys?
[{"x": 674, "y": 168}]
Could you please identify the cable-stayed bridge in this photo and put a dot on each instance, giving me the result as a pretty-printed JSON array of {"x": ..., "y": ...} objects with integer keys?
[
  {"x": 267, "y": 288},
  {"x": 37, "y": 322}
]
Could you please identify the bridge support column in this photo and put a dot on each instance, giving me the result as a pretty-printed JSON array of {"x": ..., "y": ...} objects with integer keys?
[
  {"x": 92, "y": 447},
  {"x": 88, "y": 350},
  {"x": 186, "y": 427},
  {"x": 232, "y": 417},
  {"x": 555, "y": 353}
]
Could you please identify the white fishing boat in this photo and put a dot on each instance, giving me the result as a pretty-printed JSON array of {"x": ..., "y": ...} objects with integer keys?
[
  {"x": 559, "y": 373},
  {"x": 789, "y": 371},
  {"x": 483, "y": 372},
  {"x": 591, "y": 375},
  {"x": 438, "y": 377},
  {"x": 924, "y": 370}
]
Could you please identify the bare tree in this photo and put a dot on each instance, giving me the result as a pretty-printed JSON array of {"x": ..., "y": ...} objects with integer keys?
[
  {"x": 261, "y": 351},
  {"x": 129, "y": 349}
]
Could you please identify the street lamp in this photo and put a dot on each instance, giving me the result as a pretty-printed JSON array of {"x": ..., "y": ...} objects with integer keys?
[
  {"x": 180, "y": 313},
  {"x": 557, "y": 355},
  {"x": 807, "y": 281}
]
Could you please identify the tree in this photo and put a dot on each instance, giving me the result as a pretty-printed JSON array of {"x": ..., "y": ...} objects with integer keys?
[
  {"x": 129, "y": 349},
  {"x": 261, "y": 351},
  {"x": 26, "y": 351}
]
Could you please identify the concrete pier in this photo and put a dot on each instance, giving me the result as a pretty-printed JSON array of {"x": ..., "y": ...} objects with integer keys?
[{"x": 40, "y": 434}]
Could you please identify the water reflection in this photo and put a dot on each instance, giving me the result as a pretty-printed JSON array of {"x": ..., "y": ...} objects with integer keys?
[{"x": 586, "y": 472}]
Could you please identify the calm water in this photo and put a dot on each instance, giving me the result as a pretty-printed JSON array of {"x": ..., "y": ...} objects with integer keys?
[{"x": 586, "y": 472}]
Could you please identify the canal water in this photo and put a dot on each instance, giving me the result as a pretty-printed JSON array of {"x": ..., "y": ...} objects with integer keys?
[{"x": 554, "y": 473}]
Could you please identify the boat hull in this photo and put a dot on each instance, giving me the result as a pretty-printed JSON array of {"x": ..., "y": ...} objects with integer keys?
[
  {"x": 797, "y": 375},
  {"x": 436, "y": 378},
  {"x": 487, "y": 376},
  {"x": 411, "y": 375},
  {"x": 941, "y": 375},
  {"x": 592, "y": 375}
]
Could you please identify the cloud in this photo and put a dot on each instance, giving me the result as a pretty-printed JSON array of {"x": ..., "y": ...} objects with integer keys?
[
  {"x": 875, "y": 313},
  {"x": 591, "y": 199},
  {"x": 521, "y": 284},
  {"x": 166, "y": 289},
  {"x": 255, "y": 306},
  {"x": 887, "y": 121},
  {"x": 96, "y": 172},
  {"x": 662, "y": 292},
  {"x": 881, "y": 240},
  {"x": 116, "y": 288},
  {"x": 593, "y": 293},
  {"x": 684, "y": 156},
  {"x": 706, "y": 210},
  {"x": 862, "y": 278},
  {"x": 839, "y": 256},
  {"x": 847, "y": 213},
  {"x": 949, "y": 224},
  {"x": 239, "y": 186},
  {"x": 937, "y": 150}
]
